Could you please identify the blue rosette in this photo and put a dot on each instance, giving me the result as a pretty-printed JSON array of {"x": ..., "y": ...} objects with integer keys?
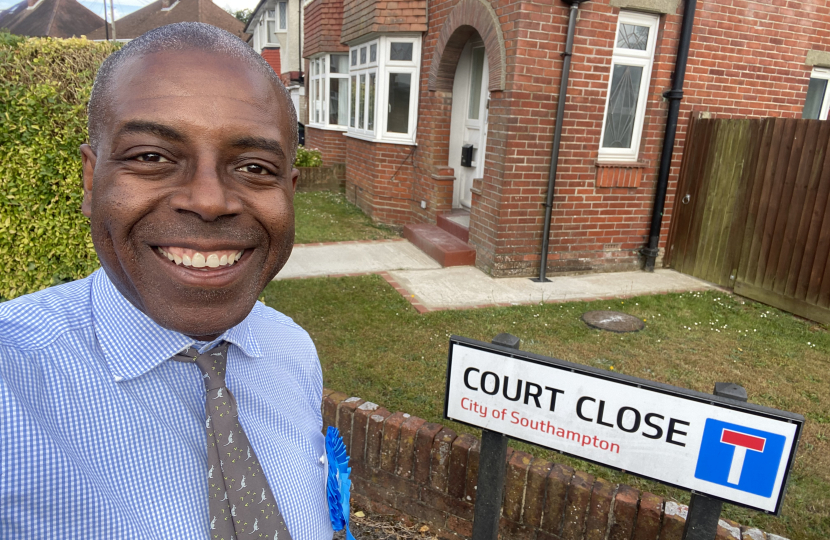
[{"x": 338, "y": 485}]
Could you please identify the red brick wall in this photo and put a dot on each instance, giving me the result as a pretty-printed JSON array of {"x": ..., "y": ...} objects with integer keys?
[
  {"x": 272, "y": 56},
  {"x": 747, "y": 59},
  {"x": 331, "y": 143},
  {"x": 323, "y": 21},
  {"x": 424, "y": 472},
  {"x": 361, "y": 17},
  {"x": 380, "y": 178}
]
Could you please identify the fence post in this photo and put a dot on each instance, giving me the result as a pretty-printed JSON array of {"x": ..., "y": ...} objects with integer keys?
[
  {"x": 491, "y": 467},
  {"x": 704, "y": 512}
]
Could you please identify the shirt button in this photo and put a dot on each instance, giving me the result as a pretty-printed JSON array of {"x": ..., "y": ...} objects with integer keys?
[{"x": 322, "y": 460}]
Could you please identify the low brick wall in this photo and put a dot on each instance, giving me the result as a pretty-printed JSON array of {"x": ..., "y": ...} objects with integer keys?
[
  {"x": 424, "y": 472},
  {"x": 323, "y": 178}
]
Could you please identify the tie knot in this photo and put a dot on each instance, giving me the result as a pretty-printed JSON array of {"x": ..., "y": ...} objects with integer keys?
[{"x": 211, "y": 363}]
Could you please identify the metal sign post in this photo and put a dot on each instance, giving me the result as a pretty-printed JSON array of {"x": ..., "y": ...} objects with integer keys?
[
  {"x": 491, "y": 466},
  {"x": 704, "y": 512}
]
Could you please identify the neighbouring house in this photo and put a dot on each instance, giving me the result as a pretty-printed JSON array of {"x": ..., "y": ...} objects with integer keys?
[
  {"x": 276, "y": 33},
  {"x": 50, "y": 18},
  {"x": 444, "y": 111},
  {"x": 162, "y": 12}
]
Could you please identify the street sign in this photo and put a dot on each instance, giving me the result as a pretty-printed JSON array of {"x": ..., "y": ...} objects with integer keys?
[{"x": 737, "y": 452}]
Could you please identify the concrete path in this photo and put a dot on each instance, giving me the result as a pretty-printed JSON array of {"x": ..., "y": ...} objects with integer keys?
[
  {"x": 338, "y": 258},
  {"x": 429, "y": 287}
]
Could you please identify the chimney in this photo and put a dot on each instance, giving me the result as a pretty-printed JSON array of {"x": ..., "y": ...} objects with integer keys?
[
  {"x": 31, "y": 2},
  {"x": 165, "y": 4}
]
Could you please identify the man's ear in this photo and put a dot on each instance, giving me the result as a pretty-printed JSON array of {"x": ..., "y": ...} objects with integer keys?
[
  {"x": 294, "y": 175},
  {"x": 88, "y": 158}
]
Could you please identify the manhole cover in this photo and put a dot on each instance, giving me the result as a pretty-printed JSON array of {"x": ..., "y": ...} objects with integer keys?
[{"x": 613, "y": 321}]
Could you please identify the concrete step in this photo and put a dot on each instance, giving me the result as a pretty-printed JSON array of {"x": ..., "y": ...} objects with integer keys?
[
  {"x": 457, "y": 224},
  {"x": 442, "y": 246}
]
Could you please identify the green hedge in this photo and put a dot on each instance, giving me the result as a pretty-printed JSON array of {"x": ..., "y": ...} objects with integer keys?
[{"x": 44, "y": 88}]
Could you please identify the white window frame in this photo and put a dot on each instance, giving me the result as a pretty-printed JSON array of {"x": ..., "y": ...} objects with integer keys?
[
  {"x": 382, "y": 67},
  {"x": 823, "y": 73},
  {"x": 629, "y": 57},
  {"x": 320, "y": 70},
  {"x": 263, "y": 36}
]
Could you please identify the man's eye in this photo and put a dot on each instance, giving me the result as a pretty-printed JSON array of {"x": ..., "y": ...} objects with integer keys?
[
  {"x": 254, "y": 169},
  {"x": 152, "y": 158}
]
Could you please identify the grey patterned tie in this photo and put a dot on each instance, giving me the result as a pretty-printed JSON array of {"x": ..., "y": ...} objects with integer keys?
[{"x": 240, "y": 502}]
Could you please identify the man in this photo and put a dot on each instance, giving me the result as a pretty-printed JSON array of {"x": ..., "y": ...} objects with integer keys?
[{"x": 104, "y": 382}]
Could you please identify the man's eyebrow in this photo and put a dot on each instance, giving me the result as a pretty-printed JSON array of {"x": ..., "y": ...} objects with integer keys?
[
  {"x": 258, "y": 143},
  {"x": 153, "y": 128}
]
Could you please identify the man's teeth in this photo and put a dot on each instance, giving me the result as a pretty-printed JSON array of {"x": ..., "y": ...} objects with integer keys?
[{"x": 199, "y": 260}]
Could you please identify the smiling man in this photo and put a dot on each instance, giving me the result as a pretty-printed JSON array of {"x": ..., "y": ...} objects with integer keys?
[{"x": 157, "y": 398}]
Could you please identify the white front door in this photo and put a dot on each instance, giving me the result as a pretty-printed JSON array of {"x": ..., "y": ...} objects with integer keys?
[{"x": 469, "y": 119}]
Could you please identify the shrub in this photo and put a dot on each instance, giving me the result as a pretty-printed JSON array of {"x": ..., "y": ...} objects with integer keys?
[
  {"x": 308, "y": 157},
  {"x": 44, "y": 87}
]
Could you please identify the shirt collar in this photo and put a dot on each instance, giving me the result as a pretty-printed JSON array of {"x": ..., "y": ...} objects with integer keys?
[{"x": 133, "y": 343}]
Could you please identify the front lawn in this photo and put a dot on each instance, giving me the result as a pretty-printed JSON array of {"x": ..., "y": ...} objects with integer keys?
[
  {"x": 372, "y": 344},
  {"x": 326, "y": 216}
]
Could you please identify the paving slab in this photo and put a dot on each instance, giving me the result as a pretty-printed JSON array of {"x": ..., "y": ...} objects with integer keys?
[
  {"x": 316, "y": 260},
  {"x": 466, "y": 287}
]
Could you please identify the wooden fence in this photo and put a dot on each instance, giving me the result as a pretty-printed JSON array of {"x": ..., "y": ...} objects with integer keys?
[{"x": 752, "y": 211}]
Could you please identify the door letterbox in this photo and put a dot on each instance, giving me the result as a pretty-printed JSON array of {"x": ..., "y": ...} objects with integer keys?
[{"x": 467, "y": 155}]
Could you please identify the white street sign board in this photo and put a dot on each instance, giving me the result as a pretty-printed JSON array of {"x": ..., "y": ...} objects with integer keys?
[{"x": 734, "y": 451}]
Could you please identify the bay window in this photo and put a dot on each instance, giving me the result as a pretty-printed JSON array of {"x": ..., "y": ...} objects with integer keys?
[
  {"x": 329, "y": 90},
  {"x": 274, "y": 21},
  {"x": 625, "y": 104},
  {"x": 383, "y": 76},
  {"x": 817, "y": 104}
]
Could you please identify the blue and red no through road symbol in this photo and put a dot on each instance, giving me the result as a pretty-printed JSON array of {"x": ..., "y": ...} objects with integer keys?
[{"x": 739, "y": 457}]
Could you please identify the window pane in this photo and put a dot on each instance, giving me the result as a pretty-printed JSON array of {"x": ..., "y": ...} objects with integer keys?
[
  {"x": 815, "y": 99},
  {"x": 283, "y": 15},
  {"x": 339, "y": 63},
  {"x": 398, "y": 120},
  {"x": 354, "y": 57},
  {"x": 622, "y": 105},
  {"x": 370, "y": 122},
  {"x": 363, "y": 55},
  {"x": 271, "y": 13},
  {"x": 633, "y": 37},
  {"x": 337, "y": 101},
  {"x": 373, "y": 53},
  {"x": 271, "y": 30},
  {"x": 318, "y": 102},
  {"x": 354, "y": 94},
  {"x": 362, "y": 100},
  {"x": 473, "y": 109},
  {"x": 400, "y": 51}
]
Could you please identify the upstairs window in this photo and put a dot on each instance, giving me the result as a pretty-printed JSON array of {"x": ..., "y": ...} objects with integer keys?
[
  {"x": 329, "y": 91},
  {"x": 383, "y": 89},
  {"x": 274, "y": 21},
  {"x": 625, "y": 105},
  {"x": 817, "y": 103}
]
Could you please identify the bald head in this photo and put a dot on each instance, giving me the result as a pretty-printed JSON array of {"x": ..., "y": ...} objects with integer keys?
[{"x": 179, "y": 37}]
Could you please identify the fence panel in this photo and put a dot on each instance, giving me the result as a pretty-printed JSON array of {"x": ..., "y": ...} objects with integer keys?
[{"x": 752, "y": 211}]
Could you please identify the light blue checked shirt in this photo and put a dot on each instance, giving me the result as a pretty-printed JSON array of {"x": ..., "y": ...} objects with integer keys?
[{"x": 102, "y": 436}]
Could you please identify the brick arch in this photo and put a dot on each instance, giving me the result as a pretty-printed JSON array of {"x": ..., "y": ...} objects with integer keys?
[{"x": 467, "y": 18}]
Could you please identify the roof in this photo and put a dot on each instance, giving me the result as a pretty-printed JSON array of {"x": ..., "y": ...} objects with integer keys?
[
  {"x": 52, "y": 18},
  {"x": 162, "y": 12}
]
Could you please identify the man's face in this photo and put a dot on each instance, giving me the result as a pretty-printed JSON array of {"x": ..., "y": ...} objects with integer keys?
[{"x": 192, "y": 165}]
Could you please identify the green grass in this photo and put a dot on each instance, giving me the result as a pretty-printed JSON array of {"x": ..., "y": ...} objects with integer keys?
[
  {"x": 325, "y": 216},
  {"x": 372, "y": 344}
]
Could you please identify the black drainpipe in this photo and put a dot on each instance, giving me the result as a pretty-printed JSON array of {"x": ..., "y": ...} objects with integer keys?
[
  {"x": 674, "y": 96},
  {"x": 557, "y": 135}
]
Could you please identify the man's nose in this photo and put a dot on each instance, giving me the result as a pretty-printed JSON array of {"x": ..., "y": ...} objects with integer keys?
[{"x": 207, "y": 193}]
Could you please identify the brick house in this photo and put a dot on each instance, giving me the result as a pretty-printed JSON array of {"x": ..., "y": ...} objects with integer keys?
[{"x": 400, "y": 90}]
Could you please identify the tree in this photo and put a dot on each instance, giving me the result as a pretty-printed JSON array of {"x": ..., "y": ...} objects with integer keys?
[{"x": 243, "y": 15}]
